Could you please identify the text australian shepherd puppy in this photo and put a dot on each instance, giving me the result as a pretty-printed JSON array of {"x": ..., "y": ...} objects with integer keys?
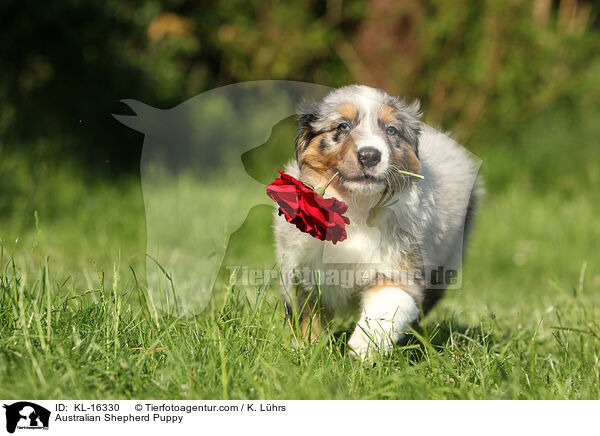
[{"x": 405, "y": 238}]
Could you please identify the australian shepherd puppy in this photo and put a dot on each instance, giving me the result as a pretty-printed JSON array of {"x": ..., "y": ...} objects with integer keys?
[{"x": 405, "y": 238}]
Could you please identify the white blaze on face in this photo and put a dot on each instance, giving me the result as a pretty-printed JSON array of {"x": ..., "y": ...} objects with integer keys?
[{"x": 368, "y": 132}]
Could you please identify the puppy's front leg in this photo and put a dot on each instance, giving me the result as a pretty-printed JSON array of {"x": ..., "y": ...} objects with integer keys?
[
  {"x": 312, "y": 318},
  {"x": 387, "y": 312}
]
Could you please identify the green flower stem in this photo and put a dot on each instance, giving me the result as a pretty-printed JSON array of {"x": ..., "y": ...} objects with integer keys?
[
  {"x": 321, "y": 189},
  {"x": 408, "y": 173}
]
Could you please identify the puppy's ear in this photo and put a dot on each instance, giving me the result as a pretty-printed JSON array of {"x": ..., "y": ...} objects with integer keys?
[
  {"x": 409, "y": 116},
  {"x": 306, "y": 116}
]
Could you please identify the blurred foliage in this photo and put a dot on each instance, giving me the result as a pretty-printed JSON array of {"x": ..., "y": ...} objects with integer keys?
[{"x": 479, "y": 68}]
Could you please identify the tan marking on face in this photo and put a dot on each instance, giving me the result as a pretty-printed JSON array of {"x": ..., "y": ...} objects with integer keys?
[
  {"x": 347, "y": 110},
  {"x": 316, "y": 158},
  {"x": 317, "y": 166},
  {"x": 412, "y": 161},
  {"x": 301, "y": 143},
  {"x": 387, "y": 114},
  {"x": 404, "y": 158}
]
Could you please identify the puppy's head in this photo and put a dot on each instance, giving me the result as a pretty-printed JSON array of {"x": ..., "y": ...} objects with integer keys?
[{"x": 364, "y": 134}]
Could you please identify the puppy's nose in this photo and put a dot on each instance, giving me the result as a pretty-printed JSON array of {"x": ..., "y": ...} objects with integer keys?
[{"x": 369, "y": 156}]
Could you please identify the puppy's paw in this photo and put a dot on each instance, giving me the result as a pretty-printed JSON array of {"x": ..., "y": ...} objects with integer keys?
[{"x": 361, "y": 348}]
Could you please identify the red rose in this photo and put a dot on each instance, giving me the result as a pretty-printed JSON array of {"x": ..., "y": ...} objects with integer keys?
[{"x": 310, "y": 212}]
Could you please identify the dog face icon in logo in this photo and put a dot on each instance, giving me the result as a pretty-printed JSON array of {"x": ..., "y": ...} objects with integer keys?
[{"x": 26, "y": 415}]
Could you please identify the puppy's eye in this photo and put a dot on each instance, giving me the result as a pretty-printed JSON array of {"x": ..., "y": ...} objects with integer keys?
[
  {"x": 343, "y": 127},
  {"x": 391, "y": 130}
]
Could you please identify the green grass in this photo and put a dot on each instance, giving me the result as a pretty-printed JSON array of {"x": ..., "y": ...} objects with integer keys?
[{"x": 76, "y": 321}]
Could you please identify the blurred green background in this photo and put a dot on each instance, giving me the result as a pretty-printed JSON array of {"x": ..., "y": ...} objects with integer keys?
[
  {"x": 480, "y": 68},
  {"x": 516, "y": 81}
]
